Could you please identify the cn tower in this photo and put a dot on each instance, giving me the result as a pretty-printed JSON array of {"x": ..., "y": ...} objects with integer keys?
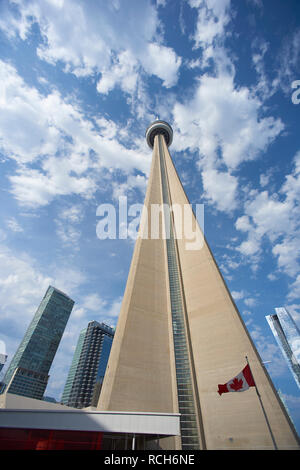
[{"x": 179, "y": 334}]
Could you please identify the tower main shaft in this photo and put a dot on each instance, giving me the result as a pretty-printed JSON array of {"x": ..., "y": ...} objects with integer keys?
[{"x": 179, "y": 333}]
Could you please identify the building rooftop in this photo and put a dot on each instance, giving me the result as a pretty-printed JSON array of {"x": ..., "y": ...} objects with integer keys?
[{"x": 20, "y": 412}]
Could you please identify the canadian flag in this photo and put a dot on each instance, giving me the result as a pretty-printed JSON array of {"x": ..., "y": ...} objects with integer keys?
[{"x": 240, "y": 383}]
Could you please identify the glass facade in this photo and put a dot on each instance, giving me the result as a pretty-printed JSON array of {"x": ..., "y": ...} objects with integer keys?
[
  {"x": 3, "y": 358},
  {"x": 287, "y": 336},
  {"x": 27, "y": 373},
  {"x": 54, "y": 439},
  {"x": 186, "y": 400},
  {"x": 73, "y": 368},
  {"x": 48, "y": 439},
  {"x": 88, "y": 366}
]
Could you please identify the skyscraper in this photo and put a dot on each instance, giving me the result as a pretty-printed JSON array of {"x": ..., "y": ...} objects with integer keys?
[
  {"x": 3, "y": 358},
  {"x": 179, "y": 332},
  {"x": 72, "y": 371},
  {"x": 287, "y": 336},
  {"x": 3, "y": 355},
  {"x": 88, "y": 366},
  {"x": 27, "y": 373}
]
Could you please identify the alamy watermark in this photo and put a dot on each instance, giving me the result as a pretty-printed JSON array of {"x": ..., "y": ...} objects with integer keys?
[
  {"x": 178, "y": 221},
  {"x": 296, "y": 94}
]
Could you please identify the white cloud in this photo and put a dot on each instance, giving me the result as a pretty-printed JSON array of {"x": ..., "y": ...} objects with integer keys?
[
  {"x": 250, "y": 302},
  {"x": 21, "y": 274},
  {"x": 220, "y": 188},
  {"x": 3, "y": 235},
  {"x": 33, "y": 188},
  {"x": 93, "y": 305},
  {"x": 223, "y": 124},
  {"x": 275, "y": 217},
  {"x": 268, "y": 350},
  {"x": 247, "y": 312},
  {"x": 26, "y": 129},
  {"x": 18, "y": 273},
  {"x": 294, "y": 310},
  {"x": 54, "y": 140},
  {"x": 69, "y": 235},
  {"x": 93, "y": 302},
  {"x": 213, "y": 16},
  {"x": 123, "y": 72},
  {"x": 109, "y": 38},
  {"x": 288, "y": 61},
  {"x": 269, "y": 214},
  {"x": 111, "y": 314},
  {"x": 73, "y": 213},
  {"x": 291, "y": 186},
  {"x": 264, "y": 180},
  {"x": 163, "y": 62},
  {"x": 287, "y": 253},
  {"x": 285, "y": 66},
  {"x": 294, "y": 289},
  {"x": 115, "y": 308},
  {"x": 237, "y": 295},
  {"x": 67, "y": 224},
  {"x": 12, "y": 23},
  {"x": 243, "y": 223},
  {"x": 250, "y": 247},
  {"x": 14, "y": 225},
  {"x": 223, "y": 118},
  {"x": 132, "y": 182},
  {"x": 125, "y": 69}
]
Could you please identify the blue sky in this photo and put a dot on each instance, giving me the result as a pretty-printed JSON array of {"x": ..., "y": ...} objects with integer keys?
[{"x": 80, "y": 82}]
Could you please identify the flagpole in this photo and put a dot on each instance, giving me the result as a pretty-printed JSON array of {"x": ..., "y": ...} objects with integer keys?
[{"x": 262, "y": 406}]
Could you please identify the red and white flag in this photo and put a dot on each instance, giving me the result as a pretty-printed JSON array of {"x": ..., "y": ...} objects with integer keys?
[{"x": 240, "y": 383}]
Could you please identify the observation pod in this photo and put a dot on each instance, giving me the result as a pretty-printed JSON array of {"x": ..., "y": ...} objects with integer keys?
[{"x": 159, "y": 127}]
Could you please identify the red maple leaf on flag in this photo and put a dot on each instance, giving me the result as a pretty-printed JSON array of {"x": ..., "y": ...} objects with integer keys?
[
  {"x": 236, "y": 384},
  {"x": 241, "y": 382}
]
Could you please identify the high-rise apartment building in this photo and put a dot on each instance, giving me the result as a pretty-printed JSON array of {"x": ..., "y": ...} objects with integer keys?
[
  {"x": 287, "y": 335},
  {"x": 179, "y": 333},
  {"x": 27, "y": 373},
  {"x": 88, "y": 366}
]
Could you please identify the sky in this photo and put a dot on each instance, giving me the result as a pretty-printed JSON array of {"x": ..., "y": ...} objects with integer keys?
[{"x": 80, "y": 81}]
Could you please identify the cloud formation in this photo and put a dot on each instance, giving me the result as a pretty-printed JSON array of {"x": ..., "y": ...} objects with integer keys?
[
  {"x": 222, "y": 122},
  {"x": 110, "y": 39},
  {"x": 275, "y": 218},
  {"x": 31, "y": 130}
]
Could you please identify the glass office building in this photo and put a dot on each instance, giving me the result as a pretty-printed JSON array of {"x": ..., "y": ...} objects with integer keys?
[
  {"x": 287, "y": 336},
  {"x": 72, "y": 371},
  {"x": 28, "y": 372},
  {"x": 3, "y": 358},
  {"x": 88, "y": 366}
]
